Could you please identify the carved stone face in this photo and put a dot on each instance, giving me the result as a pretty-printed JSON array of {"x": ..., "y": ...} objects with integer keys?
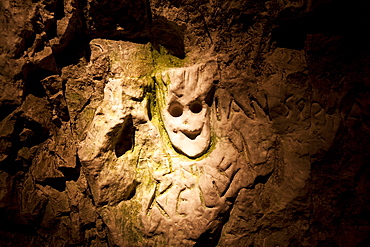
[
  {"x": 186, "y": 114},
  {"x": 187, "y": 125}
]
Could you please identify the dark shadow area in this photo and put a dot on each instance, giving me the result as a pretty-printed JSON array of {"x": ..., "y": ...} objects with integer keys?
[
  {"x": 344, "y": 194},
  {"x": 289, "y": 36},
  {"x": 169, "y": 35},
  {"x": 26, "y": 133},
  {"x": 74, "y": 41},
  {"x": 32, "y": 80},
  {"x": 120, "y": 20},
  {"x": 56, "y": 183},
  {"x": 150, "y": 91},
  {"x": 59, "y": 9},
  {"x": 28, "y": 38},
  {"x": 9, "y": 164},
  {"x": 261, "y": 179},
  {"x": 72, "y": 173},
  {"x": 125, "y": 137},
  {"x": 76, "y": 49},
  {"x": 329, "y": 18},
  {"x": 210, "y": 96},
  {"x": 6, "y": 108},
  {"x": 35, "y": 136},
  {"x": 211, "y": 237},
  {"x": 8, "y": 225},
  {"x": 130, "y": 190},
  {"x": 364, "y": 243}
]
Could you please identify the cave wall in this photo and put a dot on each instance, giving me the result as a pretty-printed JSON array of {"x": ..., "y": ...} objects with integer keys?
[{"x": 84, "y": 156}]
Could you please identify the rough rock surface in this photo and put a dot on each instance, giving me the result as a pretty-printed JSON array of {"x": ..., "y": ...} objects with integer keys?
[{"x": 86, "y": 157}]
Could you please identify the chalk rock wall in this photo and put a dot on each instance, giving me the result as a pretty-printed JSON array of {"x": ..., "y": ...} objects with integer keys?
[{"x": 87, "y": 155}]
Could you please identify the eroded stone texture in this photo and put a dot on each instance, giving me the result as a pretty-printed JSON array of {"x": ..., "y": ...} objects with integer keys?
[
  {"x": 87, "y": 160},
  {"x": 157, "y": 186},
  {"x": 112, "y": 150},
  {"x": 192, "y": 198}
]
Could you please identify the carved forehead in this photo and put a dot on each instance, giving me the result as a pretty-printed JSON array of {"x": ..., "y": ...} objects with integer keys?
[{"x": 190, "y": 83}]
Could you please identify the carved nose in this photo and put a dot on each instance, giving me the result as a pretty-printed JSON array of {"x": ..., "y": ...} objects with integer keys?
[{"x": 191, "y": 134}]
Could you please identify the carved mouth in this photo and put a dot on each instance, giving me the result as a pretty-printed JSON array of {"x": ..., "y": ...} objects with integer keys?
[{"x": 191, "y": 134}]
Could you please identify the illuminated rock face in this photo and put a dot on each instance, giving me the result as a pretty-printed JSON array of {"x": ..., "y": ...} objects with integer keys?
[
  {"x": 187, "y": 110},
  {"x": 192, "y": 199},
  {"x": 96, "y": 148},
  {"x": 143, "y": 184}
]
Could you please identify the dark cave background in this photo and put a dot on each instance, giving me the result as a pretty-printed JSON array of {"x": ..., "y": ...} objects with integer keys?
[{"x": 45, "y": 44}]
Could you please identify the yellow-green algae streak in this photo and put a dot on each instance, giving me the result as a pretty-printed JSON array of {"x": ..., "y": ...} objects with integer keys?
[{"x": 146, "y": 65}]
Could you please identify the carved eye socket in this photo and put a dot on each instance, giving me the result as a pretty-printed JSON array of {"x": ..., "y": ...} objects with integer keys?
[
  {"x": 175, "y": 109},
  {"x": 195, "y": 107}
]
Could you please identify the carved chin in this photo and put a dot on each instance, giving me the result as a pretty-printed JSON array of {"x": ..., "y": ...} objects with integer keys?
[{"x": 191, "y": 143}]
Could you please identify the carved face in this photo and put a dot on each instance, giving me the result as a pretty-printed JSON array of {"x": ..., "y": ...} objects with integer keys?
[
  {"x": 186, "y": 114},
  {"x": 187, "y": 125}
]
